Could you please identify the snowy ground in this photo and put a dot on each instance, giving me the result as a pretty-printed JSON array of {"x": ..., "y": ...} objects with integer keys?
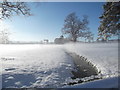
[
  {"x": 50, "y": 66},
  {"x": 35, "y": 66}
]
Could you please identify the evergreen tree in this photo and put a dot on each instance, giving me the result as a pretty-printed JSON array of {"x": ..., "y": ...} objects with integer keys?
[{"x": 110, "y": 21}]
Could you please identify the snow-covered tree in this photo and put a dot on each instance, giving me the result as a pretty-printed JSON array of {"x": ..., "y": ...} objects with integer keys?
[
  {"x": 4, "y": 34},
  {"x": 8, "y": 9},
  {"x": 75, "y": 27},
  {"x": 110, "y": 21}
]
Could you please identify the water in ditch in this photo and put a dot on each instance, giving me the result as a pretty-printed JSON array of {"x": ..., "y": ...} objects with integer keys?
[{"x": 84, "y": 69}]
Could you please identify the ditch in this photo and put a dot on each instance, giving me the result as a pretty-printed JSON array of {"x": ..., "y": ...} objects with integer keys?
[{"x": 84, "y": 69}]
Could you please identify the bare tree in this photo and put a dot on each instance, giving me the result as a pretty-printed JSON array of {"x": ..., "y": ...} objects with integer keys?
[
  {"x": 4, "y": 34},
  {"x": 8, "y": 9},
  {"x": 89, "y": 36},
  {"x": 74, "y": 27}
]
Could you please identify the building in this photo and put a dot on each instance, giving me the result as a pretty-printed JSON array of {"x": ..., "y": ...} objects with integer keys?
[{"x": 61, "y": 40}]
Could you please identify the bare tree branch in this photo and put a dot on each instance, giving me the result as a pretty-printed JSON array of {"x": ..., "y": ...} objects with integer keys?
[{"x": 8, "y": 9}]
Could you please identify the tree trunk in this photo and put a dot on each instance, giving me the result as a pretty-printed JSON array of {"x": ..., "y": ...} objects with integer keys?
[{"x": 74, "y": 39}]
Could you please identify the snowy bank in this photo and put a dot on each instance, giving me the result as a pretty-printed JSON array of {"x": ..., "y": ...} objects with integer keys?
[
  {"x": 105, "y": 83},
  {"x": 103, "y": 55}
]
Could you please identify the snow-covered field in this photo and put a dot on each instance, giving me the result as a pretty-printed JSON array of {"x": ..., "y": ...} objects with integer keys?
[
  {"x": 35, "y": 66},
  {"x": 50, "y": 66}
]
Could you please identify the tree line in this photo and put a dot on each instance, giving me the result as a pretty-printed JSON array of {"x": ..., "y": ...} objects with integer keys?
[
  {"x": 109, "y": 24},
  {"x": 74, "y": 27}
]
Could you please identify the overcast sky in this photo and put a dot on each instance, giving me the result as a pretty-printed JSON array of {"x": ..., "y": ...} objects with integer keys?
[{"x": 48, "y": 19}]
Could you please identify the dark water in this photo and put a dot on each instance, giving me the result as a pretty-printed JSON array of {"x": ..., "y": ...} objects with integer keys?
[{"x": 83, "y": 69}]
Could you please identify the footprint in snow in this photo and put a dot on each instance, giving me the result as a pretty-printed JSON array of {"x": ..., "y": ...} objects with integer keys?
[
  {"x": 10, "y": 78},
  {"x": 9, "y": 58},
  {"x": 18, "y": 83},
  {"x": 9, "y": 69}
]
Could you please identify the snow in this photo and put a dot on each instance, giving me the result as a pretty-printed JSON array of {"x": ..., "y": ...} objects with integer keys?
[
  {"x": 105, "y": 83},
  {"x": 103, "y": 55},
  {"x": 25, "y": 66},
  {"x": 35, "y": 66}
]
